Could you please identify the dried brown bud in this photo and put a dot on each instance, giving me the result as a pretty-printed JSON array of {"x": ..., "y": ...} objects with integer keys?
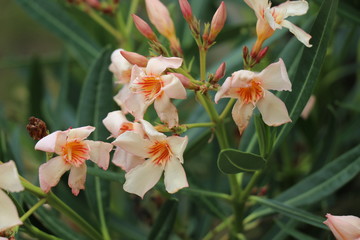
[{"x": 37, "y": 128}]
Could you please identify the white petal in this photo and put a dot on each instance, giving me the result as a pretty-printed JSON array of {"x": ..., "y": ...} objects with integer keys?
[
  {"x": 293, "y": 8},
  {"x": 133, "y": 143},
  {"x": 77, "y": 178},
  {"x": 151, "y": 132},
  {"x": 119, "y": 66},
  {"x": 126, "y": 160},
  {"x": 9, "y": 216},
  {"x": 80, "y": 133},
  {"x": 113, "y": 122},
  {"x": 51, "y": 172},
  {"x": 178, "y": 146},
  {"x": 136, "y": 105},
  {"x": 52, "y": 142},
  {"x": 142, "y": 178},
  {"x": 300, "y": 34},
  {"x": 157, "y": 65},
  {"x": 166, "y": 111},
  {"x": 99, "y": 153},
  {"x": 273, "y": 110},
  {"x": 121, "y": 96},
  {"x": 224, "y": 89},
  {"x": 258, "y": 6},
  {"x": 173, "y": 87},
  {"x": 275, "y": 77},
  {"x": 241, "y": 114},
  {"x": 175, "y": 177},
  {"x": 9, "y": 177},
  {"x": 270, "y": 19}
]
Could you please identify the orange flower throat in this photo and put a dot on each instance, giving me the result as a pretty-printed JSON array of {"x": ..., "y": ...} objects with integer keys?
[
  {"x": 251, "y": 93},
  {"x": 75, "y": 153},
  {"x": 149, "y": 86},
  {"x": 160, "y": 152}
]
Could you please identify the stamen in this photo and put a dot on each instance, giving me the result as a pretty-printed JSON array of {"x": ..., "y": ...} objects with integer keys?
[
  {"x": 149, "y": 86},
  {"x": 160, "y": 152},
  {"x": 126, "y": 127},
  {"x": 75, "y": 153},
  {"x": 251, "y": 93}
]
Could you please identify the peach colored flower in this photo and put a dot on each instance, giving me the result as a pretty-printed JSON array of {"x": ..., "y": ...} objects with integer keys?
[
  {"x": 163, "y": 154},
  {"x": 344, "y": 227},
  {"x": 72, "y": 150},
  {"x": 149, "y": 85},
  {"x": 9, "y": 181},
  {"x": 117, "y": 124},
  {"x": 251, "y": 90}
]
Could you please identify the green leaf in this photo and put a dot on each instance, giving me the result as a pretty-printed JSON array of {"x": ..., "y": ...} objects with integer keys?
[
  {"x": 36, "y": 88},
  {"x": 294, "y": 233},
  {"x": 265, "y": 136},
  {"x": 310, "y": 65},
  {"x": 292, "y": 212},
  {"x": 231, "y": 161},
  {"x": 165, "y": 221},
  {"x": 53, "y": 16},
  {"x": 319, "y": 184}
]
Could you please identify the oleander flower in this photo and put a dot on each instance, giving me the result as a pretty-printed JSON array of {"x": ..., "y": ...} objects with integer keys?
[
  {"x": 272, "y": 18},
  {"x": 344, "y": 227},
  {"x": 72, "y": 150},
  {"x": 251, "y": 90},
  {"x": 163, "y": 154},
  {"x": 149, "y": 85},
  {"x": 117, "y": 124},
  {"x": 9, "y": 181}
]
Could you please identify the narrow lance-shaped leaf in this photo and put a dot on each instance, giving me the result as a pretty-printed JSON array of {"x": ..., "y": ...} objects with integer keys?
[{"x": 165, "y": 221}]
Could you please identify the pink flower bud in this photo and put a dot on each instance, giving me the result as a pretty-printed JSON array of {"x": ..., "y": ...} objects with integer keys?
[
  {"x": 135, "y": 58},
  {"x": 344, "y": 227},
  {"x": 220, "y": 73},
  {"x": 186, "y": 10},
  {"x": 261, "y": 54},
  {"x": 160, "y": 17},
  {"x": 217, "y": 22},
  {"x": 184, "y": 80},
  {"x": 144, "y": 28}
]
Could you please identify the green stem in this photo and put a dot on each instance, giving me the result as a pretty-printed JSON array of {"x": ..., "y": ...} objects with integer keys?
[
  {"x": 219, "y": 228},
  {"x": 33, "y": 209},
  {"x": 195, "y": 191},
  {"x": 35, "y": 232},
  {"x": 104, "y": 229},
  {"x": 196, "y": 125},
  {"x": 132, "y": 10},
  {"x": 202, "y": 53},
  {"x": 227, "y": 108},
  {"x": 97, "y": 18}
]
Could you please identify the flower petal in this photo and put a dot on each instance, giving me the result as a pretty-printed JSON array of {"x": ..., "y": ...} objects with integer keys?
[
  {"x": 99, "y": 153},
  {"x": 142, "y": 178},
  {"x": 80, "y": 133},
  {"x": 275, "y": 77},
  {"x": 273, "y": 110},
  {"x": 177, "y": 146},
  {"x": 344, "y": 227},
  {"x": 300, "y": 34},
  {"x": 52, "y": 142},
  {"x": 157, "y": 65},
  {"x": 9, "y": 216},
  {"x": 125, "y": 160},
  {"x": 224, "y": 89},
  {"x": 293, "y": 8},
  {"x": 271, "y": 20},
  {"x": 173, "y": 87},
  {"x": 137, "y": 105},
  {"x": 133, "y": 143},
  {"x": 51, "y": 172},
  {"x": 9, "y": 177},
  {"x": 120, "y": 67},
  {"x": 77, "y": 179},
  {"x": 121, "y": 96},
  {"x": 241, "y": 114},
  {"x": 113, "y": 122},
  {"x": 258, "y": 6},
  {"x": 175, "y": 177},
  {"x": 151, "y": 132},
  {"x": 166, "y": 111}
]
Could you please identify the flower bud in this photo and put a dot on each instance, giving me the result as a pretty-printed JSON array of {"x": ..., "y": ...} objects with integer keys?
[
  {"x": 37, "y": 128},
  {"x": 186, "y": 10},
  {"x": 261, "y": 54},
  {"x": 344, "y": 227},
  {"x": 184, "y": 80},
  {"x": 135, "y": 58},
  {"x": 220, "y": 73},
  {"x": 144, "y": 28},
  {"x": 160, "y": 17},
  {"x": 217, "y": 22}
]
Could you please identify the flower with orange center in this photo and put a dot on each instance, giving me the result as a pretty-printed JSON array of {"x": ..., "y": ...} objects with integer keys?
[
  {"x": 272, "y": 18},
  {"x": 117, "y": 124},
  {"x": 163, "y": 154},
  {"x": 9, "y": 181},
  {"x": 251, "y": 90},
  {"x": 150, "y": 86},
  {"x": 73, "y": 150}
]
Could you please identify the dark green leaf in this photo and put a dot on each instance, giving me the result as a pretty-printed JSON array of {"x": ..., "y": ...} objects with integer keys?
[
  {"x": 165, "y": 221},
  {"x": 36, "y": 88},
  {"x": 231, "y": 161}
]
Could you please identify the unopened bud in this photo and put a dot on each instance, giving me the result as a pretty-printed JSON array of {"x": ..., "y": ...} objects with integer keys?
[
  {"x": 217, "y": 22},
  {"x": 37, "y": 128},
  {"x": 261, "y": 54},
  {"x": 245, "y": 52},
  {"x": 220, "y": 73},
  {"x": 93, "y": 3},
  {"x": 135, "y": 58},
  {"x": 144, "y": 28},
  {"x": 184, "y": 80},
  {"x": 186, "y": 10}
]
